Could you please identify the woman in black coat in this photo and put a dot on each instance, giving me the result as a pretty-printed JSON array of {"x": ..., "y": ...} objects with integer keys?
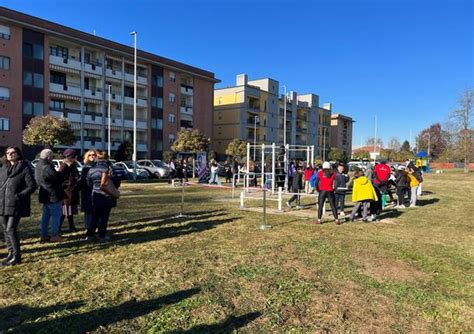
[
  {"x": 17, "y": 183},
  {"x": 86, "y": 191}
]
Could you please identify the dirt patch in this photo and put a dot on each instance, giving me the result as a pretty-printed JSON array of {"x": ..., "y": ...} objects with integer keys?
[{"x": 381, "y": 267}]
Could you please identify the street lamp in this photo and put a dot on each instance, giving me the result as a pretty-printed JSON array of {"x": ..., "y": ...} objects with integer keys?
[
  {"x": 134, "y": 157},
  {"x": 256, "y": 119},
  {"x": 110, "y": 96},
  {"x": 324, "y": 143}
]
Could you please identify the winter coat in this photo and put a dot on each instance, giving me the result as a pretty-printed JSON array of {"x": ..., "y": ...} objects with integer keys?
[
  {"x": 314, "y": 178},
  {"x": 308, "y": 172},
  {"x": 413, "y": 181},
  {"x": 324, "y": 182},
  {"x": 86, "y": 190},
  {"x": 363, "y": 190},
  {"x": 381, "y": 174},
  {"x": 341, "y": 182},
  {"x": 70, "y": 183},
  {"x": 401, "y": 179},
  {"x": 49, "y": 182},
  {"x": 16, "y": 186},
  {"x": 99, "y": 198},
  {"x": 297, "y": 183}
]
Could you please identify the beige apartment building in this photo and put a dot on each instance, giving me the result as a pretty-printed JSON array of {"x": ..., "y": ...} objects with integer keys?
[
  {"x": 47, "y": 68},
  {"x": 341, "y": 133},
  {"x": 252, "y": 110}
]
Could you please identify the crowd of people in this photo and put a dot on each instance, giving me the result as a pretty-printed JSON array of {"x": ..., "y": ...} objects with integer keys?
[{"x": 59, "y": 193}]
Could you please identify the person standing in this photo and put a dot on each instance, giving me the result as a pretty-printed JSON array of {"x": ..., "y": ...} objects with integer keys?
[
  {"x": 68, "y": 169},
  {"x": 228, "y": 171},
  {"x": 341, "y": 187},
  {"x": 86, "y": 191},
  {"x": 17, "y": 183},
  {"x": 363, "y": 192},
  {"x": 325, "y": 186},
  {"x": 414, "y": 183},
  {"x": 308, "y": 172},
  {"x": 380, "y": 178},
  {"x": 102, "y": 203},
  {"x": 172, "y": 173},
  {"x": 50, "y": 195},
  {"x": 214, "y": 179},
  {"x": 296, "y": 188},
  {"x": 401, "y": 181}
]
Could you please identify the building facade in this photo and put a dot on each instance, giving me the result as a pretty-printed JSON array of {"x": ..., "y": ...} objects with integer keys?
[
  {"x": 341, "y": 133},
  {"x": 253, "y": 111},
  {"x": 48, "y": 68}
]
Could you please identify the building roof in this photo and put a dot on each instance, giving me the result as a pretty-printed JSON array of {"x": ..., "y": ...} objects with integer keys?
[
  {"x": 49, "y": 27},
  {"x": 347, "y": 118},
  {"x": 368, "y": 149}
]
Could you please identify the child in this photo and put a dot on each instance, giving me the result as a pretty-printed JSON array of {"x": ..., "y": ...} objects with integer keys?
[
  {"x": 296, "y": 187},
  {"x": 308, "y": 172},
  {"x": 363, "y": 192},
  {"x": 325, "y": 186},
  {"x": 401, "y": 181},
  {"x": 340, "y": 192}
]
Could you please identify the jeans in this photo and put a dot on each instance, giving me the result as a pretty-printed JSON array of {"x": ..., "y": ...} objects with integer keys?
[
  {"x": 297, "y": 198},
  {"x": 331, "y": 199},
  {"x": 214, "y": 179},
  {"x": 10, "y": 225},
  {"x": 357, "y": 205},
  {"x": 53, "y": 212},
  {"x": 340, "y": 201},
  {"x": 87, "y": 219},
  {"x": 100, "y": 220},
  {"x": 413, "y": 198},
  {"x": 401, "y": 195}
]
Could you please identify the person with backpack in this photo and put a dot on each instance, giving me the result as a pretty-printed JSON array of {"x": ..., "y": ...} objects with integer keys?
[
  {"x": 401, "y": 181},
  {"x": 296, "y": 188},
  {"x": 363, "y": 193},
  {"x": 325, "y": 184},
  {"x": 380, "y": 178}
]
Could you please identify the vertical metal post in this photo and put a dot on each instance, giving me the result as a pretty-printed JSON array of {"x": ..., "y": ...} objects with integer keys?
[
  {"x": 280, "y": 199},
  {"x": 242, "y": 198},
  {"x": 108, "y": 139},
  {"x": 134, "y": 157},
  {"x": 181, "y": 214},
  {"x": 273, "y": 168},
  {"x": 307, "y": 155},
  {"x": 262, "y": 182},
  {"x": 312, "y": 154},
  {"x": 248, "y": 166}
]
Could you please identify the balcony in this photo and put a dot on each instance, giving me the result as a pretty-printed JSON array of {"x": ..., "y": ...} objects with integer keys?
[
  {"x": 64, "y": 89},
  {"x": 93, "y": 68},
  {"x": 92, "y": 118},
  {"x": 117, "y": 98},
  {"x": 140, "y": 79},
  {"x": 186, "y": 110},
  {"x": 65, "y": 62},
  {"x": 93, "y": 94},
  {"x": 141, "y": 146},
  {"x": 114, "y": 74},
  {"x": 141, "y": 124},
  {"x": 187, "y": 90},
  {"x": 141, "y": 102}
]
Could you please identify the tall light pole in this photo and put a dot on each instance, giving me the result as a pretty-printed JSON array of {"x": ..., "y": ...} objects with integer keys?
[
  {"x": 375, "y": 139},
  {"x": 324, "y": 144},
  {"x": 110, "y": 96},
  {"x": 284, "y": 117},
  {"x": 256, "y": 119},
  {"x": 429, "y": 143},
  {"x": 134, "y": 157}
]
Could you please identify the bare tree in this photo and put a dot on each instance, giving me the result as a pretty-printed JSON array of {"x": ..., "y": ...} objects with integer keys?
[
  {"x": 370, "y": 142},
  {"x": 463, "y": 118},
  {"x": 394, "y": 144}
]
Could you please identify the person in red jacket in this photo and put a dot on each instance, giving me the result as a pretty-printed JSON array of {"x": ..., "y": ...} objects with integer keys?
[
  {"x": 308, "y": 172},
  {"x": 325, "y": 187},
  {"x": 381, "y": 175}
]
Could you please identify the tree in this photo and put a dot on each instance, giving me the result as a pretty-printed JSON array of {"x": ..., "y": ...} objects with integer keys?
[
  {"x": 394, "y": 144},
  {"x": 370, "y": 142},
  {"x": 361, "y": 155},
  {"x": 48, "y": 131},
  {"x": 124, "y": 151},
  {"x": 237, "y": 148},
  {"x": 432, "y": 140},
  {"x": 405, "y": 146},
  {"x": 167, "y": 156},
  {"x": 462, "y": 118},
  {"x": 336, "y": 154},
  {"x": 190, "y": 141},
  {"x": 388, "y": 154}
]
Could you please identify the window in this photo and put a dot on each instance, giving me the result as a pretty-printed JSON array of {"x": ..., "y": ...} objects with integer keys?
[
  {"x": 171, "y": 118},
  {"x": 4, "y": 124},
  {"x": 128, "y": 91},
  {"x": 157, "y": 123},
  {"x": 4, "y": 32},
  {"x": 27, "y": 108},
  {"x": 38, "y": 80},
  {"x": 4, "y": 63},
  {"x": 57, "y": 78},
  {"x": 157, "y": 80},
  {"x": 172, "y": 77},
  {"x": 59, "y": 51},
  {"x": 37, "y": 108},
  {"x": 27, "y": 79},
  {"x": 159, "y": 145},
  {"x": 157, "y": 102},
  {"x": 38, "y": 51},
  {"x": 172, "y": 97},
  {"x": 27, "y": 50},
  {"x": 4, "y": 94},
  {"x": 171, "y": 138},
  {"x": 56, "y": 104}
]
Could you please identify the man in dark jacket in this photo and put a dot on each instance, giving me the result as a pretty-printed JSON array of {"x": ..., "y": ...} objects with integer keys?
[
  {"x": 296, "y": 188},
  {"x": 341, "y": 186},
  {"x": 50, "y": 195}
]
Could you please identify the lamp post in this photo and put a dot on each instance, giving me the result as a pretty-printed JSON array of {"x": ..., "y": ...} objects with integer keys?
[
  {"x": 284, "y": 117},
  {"x": 134, "y": 157},
  {"x": 324, "y": 144},
  {"x": 108, "y": 140},
  {"x": 375, "y": 140},
  {"x": 429, "y": 143},
  {"x": 256, "y": 119}
]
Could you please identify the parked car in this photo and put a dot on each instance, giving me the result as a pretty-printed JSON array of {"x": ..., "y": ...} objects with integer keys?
[
  {"x": 56, "y": 163},
  {"x": 121, "y": 172},
  {"x": 156, "y": 167},
  {"x": 128, "y": 166}
]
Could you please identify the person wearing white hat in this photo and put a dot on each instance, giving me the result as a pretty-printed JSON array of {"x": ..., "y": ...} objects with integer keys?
[{"x": 325, "y": 186}]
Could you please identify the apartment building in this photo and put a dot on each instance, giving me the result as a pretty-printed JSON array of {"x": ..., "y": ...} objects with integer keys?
[
  {"x": 252, "y": 110},
  {"x": 47, "y": 68},
  {"x": 341, "y": 133},
  {"x": 324, "y": 131}
]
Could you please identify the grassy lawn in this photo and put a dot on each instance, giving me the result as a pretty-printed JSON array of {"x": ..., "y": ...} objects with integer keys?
[{"x": 216, "y": 271}]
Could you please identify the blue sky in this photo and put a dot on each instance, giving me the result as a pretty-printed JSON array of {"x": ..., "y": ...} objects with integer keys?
[{"x": 404, "y": 61}]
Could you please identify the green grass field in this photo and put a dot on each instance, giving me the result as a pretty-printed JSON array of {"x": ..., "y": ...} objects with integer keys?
[{"x": 216, "y": 271}]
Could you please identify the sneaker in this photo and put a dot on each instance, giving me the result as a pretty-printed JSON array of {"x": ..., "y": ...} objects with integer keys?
[
  {"x": 365, "y": 220},
  {"x": 338, "y": 222},
  {"x": 413, "y": 206},
  {"x": 45, "y": 239},
  {"x": 288, "y": 204},
  {"x": 89, "y": 239},
  {"x": 56, "y": 238},
  {"x": 342, "y": 214},
  {"x": 318, "y": 222},
  {"x": 299, "y": 207}
]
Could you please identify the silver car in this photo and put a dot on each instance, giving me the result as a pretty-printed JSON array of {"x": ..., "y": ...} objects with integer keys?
[{"x": 156, "y": 167}]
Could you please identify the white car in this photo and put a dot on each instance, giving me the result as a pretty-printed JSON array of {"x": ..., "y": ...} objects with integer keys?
[
  {"x": 57, "y": 162},
  {"x": 128, "y": 165},
  {"x": 155, "y": 167}
]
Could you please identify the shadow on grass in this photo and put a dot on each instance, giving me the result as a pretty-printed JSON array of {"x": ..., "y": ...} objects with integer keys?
[
  {"x": 188, "y": 225},
  {"x": 13, "y": 318},
  {"x": 423, "y": 202},
  {"x": 228, "y": 326}
]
